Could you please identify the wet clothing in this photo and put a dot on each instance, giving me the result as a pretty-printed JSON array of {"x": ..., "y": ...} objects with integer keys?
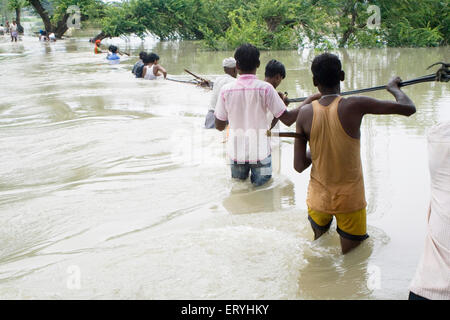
[
  {"x": 149, "y": 73},
  {"x": 245, "y": 103},
  {"x": 351, "y": 225},
  {"x": 218, "y": 84},
  {"x": 336, "y": 184},
  {"x": 210, "y": 120},
  {"x": 13, "y": 29},
  {"x": 432, "y": 278},
  {"x": 261, "y": 172},
  {"x": 113, "y": 56},
  {"x": 138, "y": 68}
]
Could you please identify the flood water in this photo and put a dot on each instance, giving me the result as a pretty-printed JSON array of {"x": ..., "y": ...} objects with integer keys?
[{"x": 110, "y": 188}]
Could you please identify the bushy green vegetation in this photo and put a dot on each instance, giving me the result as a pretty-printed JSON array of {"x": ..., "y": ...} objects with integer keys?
[
  {"x": 284, "y": 24},
  {"x": 269, "y": 24}
]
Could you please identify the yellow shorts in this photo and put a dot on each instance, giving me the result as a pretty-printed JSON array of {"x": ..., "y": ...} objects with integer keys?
[{"x": 351, "y": 225}]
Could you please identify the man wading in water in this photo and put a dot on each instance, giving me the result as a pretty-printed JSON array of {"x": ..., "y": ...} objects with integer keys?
[
  {"x": 332, "y": 127},
  {"x": 229, "y": 68},
  {"x": 245, "y": 103}
]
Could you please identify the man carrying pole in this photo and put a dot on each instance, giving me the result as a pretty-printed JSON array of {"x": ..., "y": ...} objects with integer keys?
[{"x": 331, "y": 125}]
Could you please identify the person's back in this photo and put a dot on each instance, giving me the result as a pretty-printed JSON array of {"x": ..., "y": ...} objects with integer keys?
[
  {"x": 113, "y": 57},
  {"x": 332, "y": 127},
  {"x": 152, "y": 69},
  {"x": 229, "y": 68},
  {"x": 336, "y": 184},
  {"x": 244, "y": 104},
  {"x": 139, "y": 66}
]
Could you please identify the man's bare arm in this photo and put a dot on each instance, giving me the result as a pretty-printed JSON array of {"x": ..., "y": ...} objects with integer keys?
[
  {"x": 289, "y": 117},
  {"x": 402, "y": 106},
  {"x": 302, "y": 156},
  {"x": 220, "y": 125}
]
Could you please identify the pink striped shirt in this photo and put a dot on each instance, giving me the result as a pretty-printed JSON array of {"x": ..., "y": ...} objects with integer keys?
[{"x": 245, "y": 103}]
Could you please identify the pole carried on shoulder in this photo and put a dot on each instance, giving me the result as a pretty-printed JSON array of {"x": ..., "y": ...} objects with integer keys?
[{"x": 442, "y": 75}]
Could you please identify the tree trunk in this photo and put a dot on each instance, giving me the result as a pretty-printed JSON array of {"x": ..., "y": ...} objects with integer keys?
[
  {"x": 43, "y": 14},
  {"x": 100, "y": 37},
  {"x": 19, "y": 26},
  {"x": 61, "y": 27}
]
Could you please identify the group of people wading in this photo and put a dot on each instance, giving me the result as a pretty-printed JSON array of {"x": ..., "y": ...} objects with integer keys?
[
  {"x": 326, "y": 120},
  {"x": 330, "y": 124},
  {"x": 11, "y": 28}
]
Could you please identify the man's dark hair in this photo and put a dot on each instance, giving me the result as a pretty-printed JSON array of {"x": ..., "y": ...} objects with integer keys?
[
  {"x": 146, "y": 59},
  {"x": 153, "y": 57},
  {"x": 247, "y": 57},
  {"x": 326, "y": 69},
  {"x": 112, "y": 48},
  {"x": 142, "y": 54},
  {"x": 275, "y": 67}
]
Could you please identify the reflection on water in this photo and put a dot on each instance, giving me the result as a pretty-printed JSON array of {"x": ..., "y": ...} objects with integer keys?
[{"x": 115, "y": 175}]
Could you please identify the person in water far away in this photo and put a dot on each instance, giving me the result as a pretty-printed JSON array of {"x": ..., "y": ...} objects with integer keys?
[
  {"x": 152, "y": 69},
  {"x": 244, "y": 103},
  {"x": 97, "y": 46},
  {"x": 332, "y": 127},
  {"x": 112, "y": 55},
  {"x": 14, "y": 32},
  {"x": 229, "y": 68}
]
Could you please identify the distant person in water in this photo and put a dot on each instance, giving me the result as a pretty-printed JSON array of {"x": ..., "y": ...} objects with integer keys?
[
  {"x": 52, "y": 37},
  {"x": 152, "y": 69},
  {"x": 229, "y": 68},
  {"x": 2, "y": 29},
  {"x": 331, "y": 125},
  {"x": 112, "y": 54},
  {"x": 43, "y": 35},
  {"x": 7, "y": 26},
  {"x": 13, "y": 31},
  {"x": 97, "y": 47},
  {"x": 138, "y": 68},
  {"x": 432, "y": 278}
]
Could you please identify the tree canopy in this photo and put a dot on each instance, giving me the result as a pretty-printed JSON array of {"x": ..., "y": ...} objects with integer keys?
[{"x": 283, "y": 24}]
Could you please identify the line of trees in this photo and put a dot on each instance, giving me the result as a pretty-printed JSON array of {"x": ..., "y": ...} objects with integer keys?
[
  {"x": 269, "y": 24},
  {"x": 283, "y": 24}
]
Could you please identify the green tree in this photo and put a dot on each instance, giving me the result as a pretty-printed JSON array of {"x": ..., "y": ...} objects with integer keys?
[{"x": 56, "y": 20}]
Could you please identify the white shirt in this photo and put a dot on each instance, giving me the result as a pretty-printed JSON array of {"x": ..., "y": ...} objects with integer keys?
[
  {"x": 245, "y": 103},
  {"x": 218, "y": 84},
  {"x": 432, "y": 278}
]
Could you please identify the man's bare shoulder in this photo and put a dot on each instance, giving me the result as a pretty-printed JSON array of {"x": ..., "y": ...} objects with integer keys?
[{"x": 305, "y": 113}]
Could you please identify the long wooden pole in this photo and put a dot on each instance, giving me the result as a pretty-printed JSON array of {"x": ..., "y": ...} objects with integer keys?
[{"x": 428, "y": 78}]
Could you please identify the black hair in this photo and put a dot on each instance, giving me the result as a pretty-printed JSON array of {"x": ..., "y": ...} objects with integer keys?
[
  {"x": 247, "y": 57},
  {"x": 326, "y": 69},
  {"x": 153, "y": 57},
  {"x": 142, "y": 54},
  {"x": 112, "y": 48},
  {"x": 275, "y": 67},
  {"x": 146, "y": 59}
]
